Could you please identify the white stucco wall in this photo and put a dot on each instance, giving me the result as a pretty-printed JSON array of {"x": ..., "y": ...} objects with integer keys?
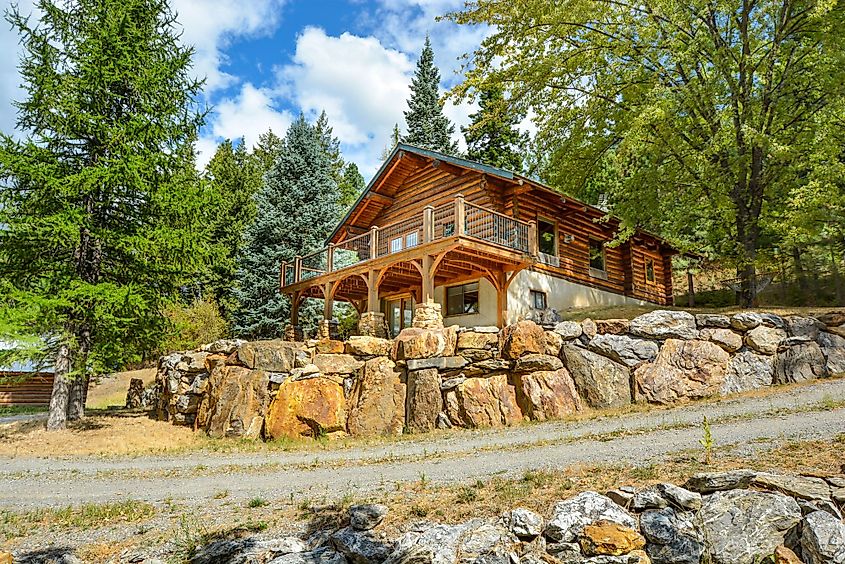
[
  {"x": 486, "y": 307},
  {"x": 560, "y": 294}
]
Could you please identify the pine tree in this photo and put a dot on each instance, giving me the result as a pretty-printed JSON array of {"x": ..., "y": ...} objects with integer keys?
[
  {"x": 427, "y": 126},
  {"x": 351, "y": 185},
  {"x": 101, "y": 206},
  {"x": 395, "y": 138},
  {"x": 331, "y": 145},
  {"x": 297, "y": 207},
  {"x": 266, "y": 150},
  {"x": 492, "y": 137},
  {"x": 234, "y": 176}
]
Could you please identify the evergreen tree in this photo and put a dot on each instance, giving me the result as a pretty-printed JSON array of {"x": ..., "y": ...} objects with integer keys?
[
  {"x": 101, "y": 204},
  {"x": 266, "y": 150},
  {"x": 351, "y": 185},
  {"x": 492, "y": 137},
  {"x": 427, "y": 126},
  {"x": 234, "y": 176},
  {"x": 331, "y": 145},
  {"x": 297, "y": 207},
  {"x": 395, "y": 138}
]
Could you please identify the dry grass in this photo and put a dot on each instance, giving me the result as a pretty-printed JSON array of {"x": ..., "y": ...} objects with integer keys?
[
  {"x": 111, "y": 390},
  {"x": 629, "y": 312},
  {"x": 90, "y": 515},
  {"x": 100, "y": 433}
]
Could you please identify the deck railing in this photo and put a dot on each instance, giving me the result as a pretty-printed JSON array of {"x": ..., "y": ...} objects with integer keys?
[{"x": 457, "y": 218}]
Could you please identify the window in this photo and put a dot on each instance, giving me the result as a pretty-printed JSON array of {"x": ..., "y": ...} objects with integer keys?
[
  {"x": 547, "y": 235},
  {"x": 462, "y": 299},
  {"x": 411, "y": 240},
  {"x": 396, "y": 245},
  {"x": 649, "y": 270},
  {"x": 596, "y": 255},
  {"x": 538, "y": 299}
]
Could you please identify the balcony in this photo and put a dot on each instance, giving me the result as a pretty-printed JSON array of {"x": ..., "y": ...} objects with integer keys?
[{"x": 455, "y": 221}]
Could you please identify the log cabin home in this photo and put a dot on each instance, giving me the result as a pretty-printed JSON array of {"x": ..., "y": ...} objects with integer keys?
[{"x": 490, "y": 246}]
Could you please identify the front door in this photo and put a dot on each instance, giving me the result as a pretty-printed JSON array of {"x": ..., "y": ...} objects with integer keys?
[{"x": 400, "y": 314}]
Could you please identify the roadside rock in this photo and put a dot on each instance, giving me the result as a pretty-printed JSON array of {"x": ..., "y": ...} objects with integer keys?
[
  {"x": 366, "y": 346},
  {"x": 712, "y": 320},
  {"x": 366, "y": 517},
  {"x": 536, "y": 362},
  {"x": 748, "y": 371},
  {"x": 546, "y": 395},
  {"x": 425, "y": 400},
  {"x": 764, "y": 339},
  {"x": 377, "y": 402},
  {"x": 360, "y": 547},
  {"x": 523, "y": 337},
  {"x": 624, "y": 349},
  {"x": 725, "y": 338},
  {"x": 414, "y": 342},
  {"x": 572, "y": 515},
  {"x": 236, "y": 402},
  {"x": 823, "y": 539},
  {"x": 710, "y": 482},
  {"x": 747, "y": 320},
  {"x": 609, "y": 538},
  {"x": 664, "y": 324},
  {"x": 801, "y": 487},
  {"x": 799, "y": 363},
  {"x": 600, "y": 382},
  {"x": 484, "y": 402},
  {"x": 569, "y": 330},
  {"x": 311, "y": 407},
  {"x": 271, "y": 356},
  {"x": 661, "y": 495},
  {"x": 672, "y": 537},
  {"x": 833, "y": 349},
  {"x": 523, "y": 523},
  {"x": 683, "y": 370},
  {"x": 744, "y": 526}
]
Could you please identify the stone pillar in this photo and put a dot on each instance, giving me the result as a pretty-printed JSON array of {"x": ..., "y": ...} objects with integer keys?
[
  {"x": 427, "y": 315},
  {"x": 371, "y": 324},
  {"x": 294, "y": 333},
  {"x": 328, "y": 329}
]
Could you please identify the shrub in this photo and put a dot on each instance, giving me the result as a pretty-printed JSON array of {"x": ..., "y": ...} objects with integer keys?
[{"x": 193, "y": 325}]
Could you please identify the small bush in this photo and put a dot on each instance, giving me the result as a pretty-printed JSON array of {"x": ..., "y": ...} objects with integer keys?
[{"x": 193, "y": 325}]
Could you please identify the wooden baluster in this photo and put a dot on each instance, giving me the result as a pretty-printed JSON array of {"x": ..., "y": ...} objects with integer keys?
[
  {"x": 374, "y": 242},
  {"x": 460, "y": 215},
  {"x": 330, "y": 258},
  {"x": 428, "y": 224},
  {"x": 297, "y": 269},
  {"x": 282, "y": 272}
]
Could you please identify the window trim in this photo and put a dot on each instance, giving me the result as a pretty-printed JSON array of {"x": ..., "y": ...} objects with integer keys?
[
  {"x": 552, "y": 222},
  {"x": 532, "y": 292},
  {"x": 460, "y": 285},
  {"x": 597, "y": 272},
  {"x": 396, "y": 248}
]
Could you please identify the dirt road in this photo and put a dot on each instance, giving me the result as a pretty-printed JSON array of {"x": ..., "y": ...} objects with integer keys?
[{"x": 641, "y": 438}]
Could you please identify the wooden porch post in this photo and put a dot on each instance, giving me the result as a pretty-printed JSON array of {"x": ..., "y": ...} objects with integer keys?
[
  {"x": 297, "y": 269},
  {"x": 460, "y": 215},
  {"x": 428, "y": 224},
  {"x": 373, "y": 305},
  {"x": 328, "y": 302},
  {"x": 533, "y": 240},
  {"x": 282, "y": 274},
  {"x": 294, "y": 309},
  {"x": 330, "y": 258},
  {"x": 373, "y": 242},
  {"x": 427, "y": 279},
  {"x": 502, "y": 298}
]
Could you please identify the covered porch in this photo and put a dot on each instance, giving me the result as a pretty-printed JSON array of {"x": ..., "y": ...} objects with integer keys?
[{"x": 448, "y": 245}]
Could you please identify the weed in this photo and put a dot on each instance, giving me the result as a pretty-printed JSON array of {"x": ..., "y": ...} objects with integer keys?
[
  {"x": 466, "y": 494},
  {"x": 418, "y": 510},
  {"x": 706, "y": 441},
  {"x": 222, "y": 494},
  {"x": 257, "y": 502},
  {"x": 644, "y": 472},
  {"x": 89, "y": 515},
  {"x": 423, "y": 479}
]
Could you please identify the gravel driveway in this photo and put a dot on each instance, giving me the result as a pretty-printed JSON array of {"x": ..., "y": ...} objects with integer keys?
[{"x": 640, "y": 438}]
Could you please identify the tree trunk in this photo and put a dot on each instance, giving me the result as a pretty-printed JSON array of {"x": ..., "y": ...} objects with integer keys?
[
  {"x": 690, "y": 289},
  {"x": 57, "y": 417},
  {"x": 79, "y": 385},
  {"x": 837, "y": 281},
  {"x": 799, "y": 272}
]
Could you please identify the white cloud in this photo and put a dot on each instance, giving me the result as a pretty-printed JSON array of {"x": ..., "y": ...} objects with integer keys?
[{"x": 210, "y": 26}]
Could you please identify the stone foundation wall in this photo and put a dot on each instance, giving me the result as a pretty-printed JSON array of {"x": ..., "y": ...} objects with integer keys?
[{"x": 430, "y": 378}]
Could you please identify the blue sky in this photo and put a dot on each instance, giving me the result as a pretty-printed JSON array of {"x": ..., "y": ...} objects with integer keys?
[{"x": 267, "y": 60}]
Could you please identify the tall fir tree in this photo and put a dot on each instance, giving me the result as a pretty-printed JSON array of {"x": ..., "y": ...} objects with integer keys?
[
  {"x": 395, "y": 139},
  {"x": 101, "y": 204},
  {"x": 234, "y": 176},
  {"x": 297, "y": 207},
  {"x": 427, "y": 125},
  {"x": 492, "y": 136},
  {"x": 266, "y": 150},
  {"x": 351, "y": 185}
]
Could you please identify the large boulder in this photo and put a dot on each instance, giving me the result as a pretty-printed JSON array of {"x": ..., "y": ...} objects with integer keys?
[
  {"x": 748, "y": 371},
  {"x": 608, "y": 538},
  {"x": 523, "y": 523},
  {"x": 765, "y": 339},
  {"x": 571, "y": 516},
  {"x": 833, "y": 349},
  {"x": 672, "y": 537},
  {"x": 483, "y": 402},
  {"x": 663, "y": 324},
  {"x": 745, "y": 526},
  {"x": 323, "y": 555},
  {"x": 799, "y": 487},
  {"x": 600, "y": 381},
  {"x": 612, "y": 326},
  {"x": 547, "y": 394},
  {"x": 344, "y": 364},
  {"x": 712, "y": 320},
  {"x": 523, "y": 337},
  {"x": 799, "y": 362},
  {"x": 747, "y": 320},
  {"x": 797, "y": 326},
  {"x": 624, "y": 349},
  {"x": 709, "y": 482},
  {"x": 424, "y": 401},
  {"x": 471, "y": 542},
  {"x": 537, "y": 362},
  {"x": 377, "y": 401},
  {"x": 366, "y": 516},
  {"x": 366, "y": 346},
  {"x": 553, "y": 343},
  {"x": 311, "y": 407},
  {"x": 725, "y": 338},
  {"x": 823, "y": 539},
  {"x": 415, "y": 342},
  {"x": 477, "y": 340},
  {"x": 683, "y": 370},
  {"x": 360, "y": 547},
  {"x": 236, "y": 402},
  {"x": 569, "y": 330},
  {"x": 270, "y": 356},
  {"x": 832, "y": 318}
]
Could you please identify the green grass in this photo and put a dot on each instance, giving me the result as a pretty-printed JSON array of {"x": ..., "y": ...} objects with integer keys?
[
  {"x": 87, "y": 516},
  {"x": 8, "y": 410},
  {"x": 257, "y": 502}
]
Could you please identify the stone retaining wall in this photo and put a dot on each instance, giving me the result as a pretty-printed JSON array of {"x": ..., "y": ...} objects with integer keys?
[{"x": 431, "y": 377}]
